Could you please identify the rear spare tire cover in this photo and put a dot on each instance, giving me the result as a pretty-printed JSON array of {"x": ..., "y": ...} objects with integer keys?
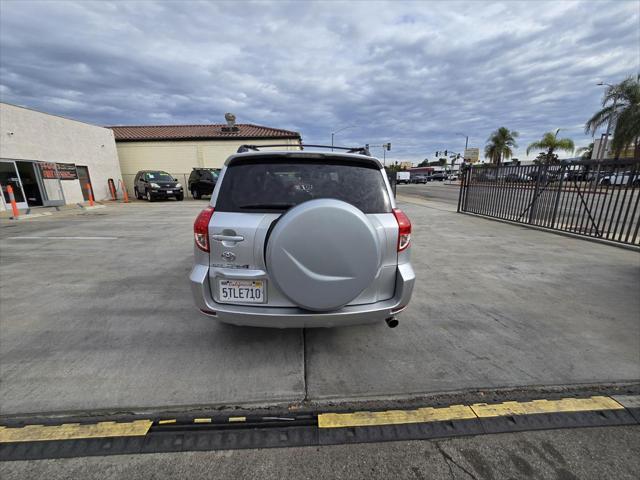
[{"x": 322, "y": 254}]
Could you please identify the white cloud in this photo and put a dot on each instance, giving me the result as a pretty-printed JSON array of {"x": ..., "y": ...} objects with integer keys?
[{"x": 410, "y": 73}]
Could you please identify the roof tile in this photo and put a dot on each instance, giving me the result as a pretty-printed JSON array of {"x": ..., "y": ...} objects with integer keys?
[{"x": 201, "y": 132}]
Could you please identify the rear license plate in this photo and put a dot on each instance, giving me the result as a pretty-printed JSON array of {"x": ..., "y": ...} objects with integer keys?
[
  {"x": 169, "y": 191},
  {"x": 245, "y": 291}
]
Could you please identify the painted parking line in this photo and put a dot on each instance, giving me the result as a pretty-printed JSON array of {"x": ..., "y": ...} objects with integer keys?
[
  {"x": 74, "y": 431},
  {"x": 62, "y": 238},
  {"x": 466, "y": 412}
]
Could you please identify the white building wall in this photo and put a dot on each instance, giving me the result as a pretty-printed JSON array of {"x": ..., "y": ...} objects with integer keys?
[{"x": 30, "y": 135}]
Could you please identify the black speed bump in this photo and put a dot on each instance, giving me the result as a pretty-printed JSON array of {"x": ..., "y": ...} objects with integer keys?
[{"x": 30, "y": 442}]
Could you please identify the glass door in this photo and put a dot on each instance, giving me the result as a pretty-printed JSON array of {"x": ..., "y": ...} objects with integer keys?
[
  {"x": 49, "y": 180},
  {"x": 9, "y": 176}
]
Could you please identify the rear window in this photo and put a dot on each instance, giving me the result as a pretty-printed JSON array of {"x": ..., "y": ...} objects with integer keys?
[{"x": 266, "y": 186}]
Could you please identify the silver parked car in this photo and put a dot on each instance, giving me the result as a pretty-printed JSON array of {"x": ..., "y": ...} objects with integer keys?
[{"x": 302, "y": 239}]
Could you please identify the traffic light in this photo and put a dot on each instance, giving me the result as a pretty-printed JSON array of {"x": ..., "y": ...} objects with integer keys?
[
  {"x": 437, "y": 154},
  {"x": 445, "y": 153},
  {"x": 388, "y": 145}
]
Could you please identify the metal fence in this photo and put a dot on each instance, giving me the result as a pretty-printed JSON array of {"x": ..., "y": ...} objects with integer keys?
[{"x": 593, "y": 198}]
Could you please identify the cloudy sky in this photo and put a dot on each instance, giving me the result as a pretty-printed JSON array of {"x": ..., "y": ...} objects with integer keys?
[{"x": 415, "y": 74}]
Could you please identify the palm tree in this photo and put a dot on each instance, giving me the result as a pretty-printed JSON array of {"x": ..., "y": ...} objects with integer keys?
[
  {"x": 500, "y": 145},
  {"x": 550, "y": 142},
  {"x": 585, "y": 152},
  {"x": 624, "y": 114}
]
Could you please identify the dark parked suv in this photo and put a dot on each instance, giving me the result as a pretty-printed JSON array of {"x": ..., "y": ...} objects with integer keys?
[
  {"x": 202, "y": 181},
  {"x": 155, "y": 184}
]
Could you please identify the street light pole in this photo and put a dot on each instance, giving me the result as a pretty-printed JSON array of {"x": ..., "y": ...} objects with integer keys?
[
  {"x": 466, "y": 140},
  {"x": 603, "y": 142},
  {"x": 338, "y": 131},
  {"x": 385, "y": 147}
]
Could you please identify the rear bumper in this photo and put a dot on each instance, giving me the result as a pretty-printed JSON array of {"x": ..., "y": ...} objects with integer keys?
[
  {"x": 286, "y": 317},
  {"x": 164, "y": 194}
]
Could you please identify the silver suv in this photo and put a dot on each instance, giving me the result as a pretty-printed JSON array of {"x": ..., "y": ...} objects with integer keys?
[{"x": 302, "y": 239}]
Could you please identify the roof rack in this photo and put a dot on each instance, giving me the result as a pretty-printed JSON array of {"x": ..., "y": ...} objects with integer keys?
[{"x": 256, "y": 148}]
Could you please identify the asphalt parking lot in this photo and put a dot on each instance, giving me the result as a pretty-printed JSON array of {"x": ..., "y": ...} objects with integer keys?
[
  {"x": 442, "y": 192},
  {"x": 96, "y": 314}
]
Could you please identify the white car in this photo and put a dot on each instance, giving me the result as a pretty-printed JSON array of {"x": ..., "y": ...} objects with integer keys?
[
  {"x": 621, "y": 178},
  {"x": 403, "y": 177}
]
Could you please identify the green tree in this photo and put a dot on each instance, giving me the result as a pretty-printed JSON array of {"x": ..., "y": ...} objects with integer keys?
[
  {"x": 625, "y": 116},
  {"x": 424, "y": 163},
  {"x": 550, "y": 143},
  {"x": 500, "y": 145},
  {"x": 586, "y": 152}
]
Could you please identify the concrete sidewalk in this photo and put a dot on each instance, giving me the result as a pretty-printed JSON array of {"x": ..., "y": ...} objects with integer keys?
[{"x": 96, "y": 313}]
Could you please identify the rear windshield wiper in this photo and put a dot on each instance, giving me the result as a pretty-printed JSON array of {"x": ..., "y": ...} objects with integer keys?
[{"x": 266, "y": 206}]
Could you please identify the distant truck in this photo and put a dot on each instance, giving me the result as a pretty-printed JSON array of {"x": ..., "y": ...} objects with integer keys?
[{"x": 402, "y": 177}]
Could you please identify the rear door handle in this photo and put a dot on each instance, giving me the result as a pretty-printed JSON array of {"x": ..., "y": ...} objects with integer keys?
[{"x": 227, "y": 238}]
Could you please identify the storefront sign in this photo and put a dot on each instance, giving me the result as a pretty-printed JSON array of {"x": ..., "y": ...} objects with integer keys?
[
  {"x": 48, "y": 170},
  {"x": 67, "y": 171},
  {"x": 63, "y": 171}
]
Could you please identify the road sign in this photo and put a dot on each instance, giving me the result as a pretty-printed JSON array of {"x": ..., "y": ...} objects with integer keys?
[{"x": 472, "y": 155}]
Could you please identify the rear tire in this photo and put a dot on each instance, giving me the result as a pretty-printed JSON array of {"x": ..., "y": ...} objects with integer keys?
[{"x": 179, "y": 198}]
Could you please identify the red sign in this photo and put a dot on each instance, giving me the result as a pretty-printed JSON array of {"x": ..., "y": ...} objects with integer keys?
[{"x": 48, "y": 170}]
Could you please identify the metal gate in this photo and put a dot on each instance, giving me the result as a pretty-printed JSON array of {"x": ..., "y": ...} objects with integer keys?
[{"x": 593, "y": 198}]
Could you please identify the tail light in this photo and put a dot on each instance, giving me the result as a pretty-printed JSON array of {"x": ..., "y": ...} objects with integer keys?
[
  {"x": 201, "y": 229},
  {"x": 404, "y": 229}
]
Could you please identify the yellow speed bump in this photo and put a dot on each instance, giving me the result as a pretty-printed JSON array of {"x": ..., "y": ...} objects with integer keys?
[
  {"x": 483, "y": 410},
  {"x": 70, "y": 431},
  {"x": 393, "y": 417}
]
